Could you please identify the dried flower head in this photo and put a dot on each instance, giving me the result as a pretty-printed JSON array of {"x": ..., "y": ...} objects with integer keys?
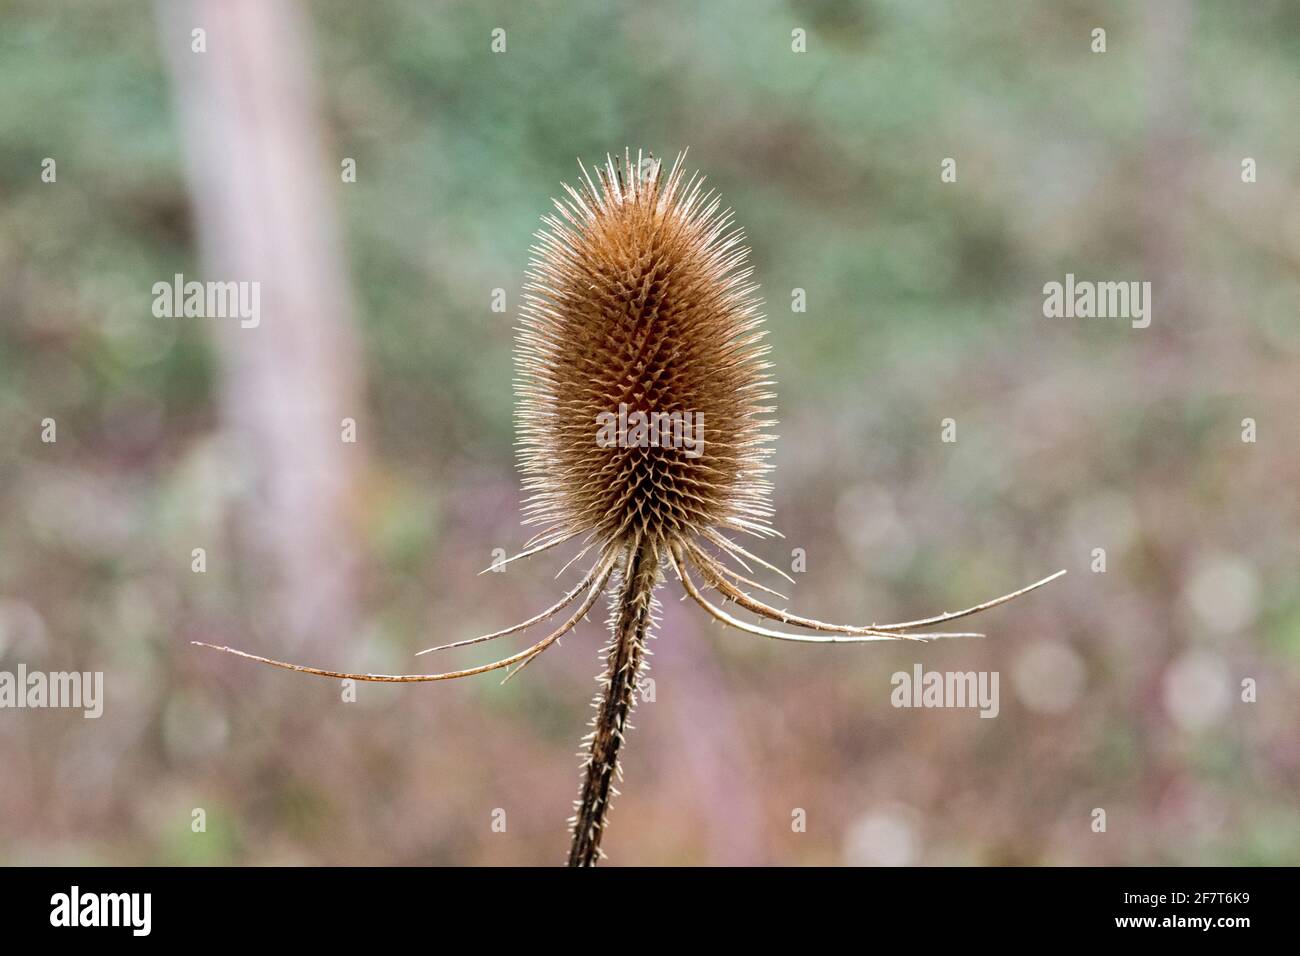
[
  {"x": 638, "y": 302},
  {"x": 644, "y": 427}
]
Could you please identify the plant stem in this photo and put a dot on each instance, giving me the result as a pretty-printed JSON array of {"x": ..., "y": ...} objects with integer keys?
[{"x": 629, "y": 623}]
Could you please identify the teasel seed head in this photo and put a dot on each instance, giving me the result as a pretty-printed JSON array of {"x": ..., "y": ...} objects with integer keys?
[{"x": 639, "y": 299}]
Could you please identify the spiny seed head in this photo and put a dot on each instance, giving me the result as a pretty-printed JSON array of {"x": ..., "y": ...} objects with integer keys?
[
  {"x": 638, "y": 303},
  {"x": 638, "y": 300}
]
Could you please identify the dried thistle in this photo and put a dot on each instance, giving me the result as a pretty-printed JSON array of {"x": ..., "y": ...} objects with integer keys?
[{"x": 639, "y": 307}]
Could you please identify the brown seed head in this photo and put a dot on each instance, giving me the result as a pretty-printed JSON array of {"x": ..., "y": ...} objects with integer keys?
[
  {"x": 638, "y": 304},
  {"x": 638, "y": 300}
]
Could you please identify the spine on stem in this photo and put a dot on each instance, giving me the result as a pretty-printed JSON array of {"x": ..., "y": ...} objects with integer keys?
[{"x": 625, "y": 655}]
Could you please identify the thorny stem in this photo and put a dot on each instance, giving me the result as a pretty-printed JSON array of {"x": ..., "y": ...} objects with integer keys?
[{"x": 629, "y": 623}]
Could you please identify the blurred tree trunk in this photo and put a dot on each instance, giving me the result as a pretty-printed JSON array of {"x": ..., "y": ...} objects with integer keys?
[{"x": 263, "y": 200}]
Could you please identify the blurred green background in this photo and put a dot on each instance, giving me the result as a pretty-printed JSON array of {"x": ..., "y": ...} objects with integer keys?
[{"x": 1119, "y": 690}]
